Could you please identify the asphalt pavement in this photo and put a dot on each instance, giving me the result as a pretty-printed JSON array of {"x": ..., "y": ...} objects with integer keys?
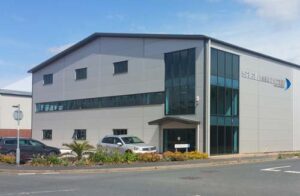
[{"x": 280, "y": 177}]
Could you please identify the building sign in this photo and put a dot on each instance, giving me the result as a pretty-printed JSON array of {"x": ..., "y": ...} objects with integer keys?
[{"x": 279, "y": 83}]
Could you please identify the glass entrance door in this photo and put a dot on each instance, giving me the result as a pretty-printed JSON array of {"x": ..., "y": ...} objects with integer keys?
[{"x": 178, "y": 136}]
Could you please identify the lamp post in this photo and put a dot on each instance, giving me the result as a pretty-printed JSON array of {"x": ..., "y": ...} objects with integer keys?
[{"x": 18, "y": 115}]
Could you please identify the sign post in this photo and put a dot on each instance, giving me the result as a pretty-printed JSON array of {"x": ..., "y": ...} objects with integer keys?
[{"x": 18, "y": 116}]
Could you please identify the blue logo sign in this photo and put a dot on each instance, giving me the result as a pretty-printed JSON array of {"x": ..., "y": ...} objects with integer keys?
[{"x": 287, "y": 84}]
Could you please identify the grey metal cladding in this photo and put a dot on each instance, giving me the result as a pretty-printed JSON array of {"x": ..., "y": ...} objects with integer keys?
[
  {"x": 15, "y": 93},
  {"x": 159, "y": 36}
]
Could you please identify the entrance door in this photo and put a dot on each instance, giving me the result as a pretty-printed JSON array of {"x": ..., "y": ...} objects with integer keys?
[{"x": 178, "y": 136}]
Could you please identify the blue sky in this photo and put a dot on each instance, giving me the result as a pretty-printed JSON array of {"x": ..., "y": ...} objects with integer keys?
[{"x": 34, "y": 30}]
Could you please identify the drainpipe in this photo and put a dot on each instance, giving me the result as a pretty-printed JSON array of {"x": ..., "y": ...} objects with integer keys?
[{"x": 207, "y": 96}]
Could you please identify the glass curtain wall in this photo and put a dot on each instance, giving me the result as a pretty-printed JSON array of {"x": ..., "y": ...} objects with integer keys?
[
  {"x": 224, "y": 102},
  {"x": 180, "y": 82}
]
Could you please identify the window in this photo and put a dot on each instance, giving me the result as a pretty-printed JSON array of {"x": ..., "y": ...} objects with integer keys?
[
  {"x": 108, "y": 140},
  {"x": 132, "y": 140},
  {"x": 48, "y": 79},
  {"x": 47, "y": 134},
  {"x": 103, "y": 102},
  {"x": 35, "y": 143},
  {"x": 11, "y": 142},
  {"x": 224, "y": 102},
  {"x": 180, "y": 82},
  {"x": 121, "y": 67},
  {"x": 81, "y": 73},
  {"x": 120, "y": 131},
  {"x": 79, "y": 134}
]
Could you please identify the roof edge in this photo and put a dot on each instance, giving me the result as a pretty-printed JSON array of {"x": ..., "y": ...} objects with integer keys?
[
  {"x": 157, "y": 36},
  {"x": 15, "y": 93}
]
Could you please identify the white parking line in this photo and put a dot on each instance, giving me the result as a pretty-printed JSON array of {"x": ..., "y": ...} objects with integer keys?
[
  {"x": 293, "y": 172},
  {"x": 275, "y": 169}
]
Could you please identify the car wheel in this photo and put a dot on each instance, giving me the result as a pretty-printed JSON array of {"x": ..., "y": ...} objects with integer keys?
[{"x": 128, "y": 151}]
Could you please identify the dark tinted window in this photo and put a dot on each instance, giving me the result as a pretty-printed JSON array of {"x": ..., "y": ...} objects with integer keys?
[
  {"x": 103, "y": 102},
  {"x": 81, "y": 73},
  {"x": 180, "y": 82},
  {"x": 11, "y": 142},
  {"x": 214, "y": 62},
  {"x": 120, "y": 131},
  {"x": 79, "y": 134},
  {"x": 121, "y": 67},
  {"x": 108, "y": 140},
  {"x": 221, "y": 64},
  {"x": 47, "y": 134},
  {"x": 35, "y": 143},
  {"x": 224, "y": 102},
  {"x": 48, "y": 79}
]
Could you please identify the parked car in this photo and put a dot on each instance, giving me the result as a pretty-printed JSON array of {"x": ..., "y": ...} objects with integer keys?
[
  {"x": 125, "y": 143},
  {"x": 28, "y": 148}
]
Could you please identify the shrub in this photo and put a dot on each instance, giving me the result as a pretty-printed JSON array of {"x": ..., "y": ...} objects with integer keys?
[
  {"x": 48, "y": 161},
  {"x": 179, "y": 156},
  {"x": 149, "y": 157},
  {"x": 196, "y": 155},
  {"x": 130, "y": 157},
  {"x": 10, "y": 159},
  {"x": 79, "y": 147}
]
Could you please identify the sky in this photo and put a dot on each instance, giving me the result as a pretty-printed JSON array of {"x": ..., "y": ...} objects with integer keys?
[{"x": 32, "y": 31}]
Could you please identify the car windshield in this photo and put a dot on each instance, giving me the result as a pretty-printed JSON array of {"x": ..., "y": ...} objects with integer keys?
[{"x": 132, "y": 140}]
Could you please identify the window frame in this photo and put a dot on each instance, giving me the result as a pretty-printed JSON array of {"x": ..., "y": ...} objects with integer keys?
[
  {"x": 122, "y": 72},
  {"x": 79, "y": 69},
  {"x": 75, "y": 134},
  {"x": 115, "y": 131},
  {"x": 44, "y": 76},
  {"x": 45, "y": 130}
]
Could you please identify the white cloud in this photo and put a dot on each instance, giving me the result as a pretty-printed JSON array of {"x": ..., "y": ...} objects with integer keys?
[
  {"x": 58, "y": 49},
  {"x": 276, "y": 10}
]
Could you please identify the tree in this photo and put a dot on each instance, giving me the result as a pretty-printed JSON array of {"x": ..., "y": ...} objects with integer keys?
[{"x": 79, "y": 147}]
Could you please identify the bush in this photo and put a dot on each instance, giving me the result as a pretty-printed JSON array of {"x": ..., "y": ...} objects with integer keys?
[
  {"x": 196, "y": 155},
  {"x": 10, "y": 159},
  {"x": 130, "y": 157},
  {"x": 174, "y": 156},
  {"x": 179, "y": 156},
  {"x": 149, "y": 157},
  {"x": 79, "y": 147},
  {"x": 48, "y": 161}
]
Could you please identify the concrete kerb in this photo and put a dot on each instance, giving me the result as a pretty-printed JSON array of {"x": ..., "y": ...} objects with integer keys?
[{"x": 212, "y": 163}]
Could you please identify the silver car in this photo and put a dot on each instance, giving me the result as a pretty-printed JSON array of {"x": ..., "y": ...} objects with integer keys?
[{"x": 125, "y": 143}]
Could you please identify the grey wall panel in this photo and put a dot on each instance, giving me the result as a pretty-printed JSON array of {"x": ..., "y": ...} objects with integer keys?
[
  {"x": 266, "y": 111},
  {"x": 145, "y": 74},
  {"x": 296, "y": 102}
]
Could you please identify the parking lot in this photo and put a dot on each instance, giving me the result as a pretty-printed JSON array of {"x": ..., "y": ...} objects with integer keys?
[{"x": 281, "y": 177}]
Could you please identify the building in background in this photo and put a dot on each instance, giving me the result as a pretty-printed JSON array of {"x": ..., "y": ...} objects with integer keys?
[
  {"x": 168, "y": 89},
  {"x": 8, "y": 126}
]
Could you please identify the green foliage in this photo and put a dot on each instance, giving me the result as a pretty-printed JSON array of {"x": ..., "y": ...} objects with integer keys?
[
  {"x": 79, "y": 147},
  {"x": 10, "y": 159},
  {"x": 102, "y": 155},
  {"x": 48, "y": 161}
]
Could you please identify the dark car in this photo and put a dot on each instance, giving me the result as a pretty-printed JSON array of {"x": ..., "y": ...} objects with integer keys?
[{"x": 28, "y": 148}]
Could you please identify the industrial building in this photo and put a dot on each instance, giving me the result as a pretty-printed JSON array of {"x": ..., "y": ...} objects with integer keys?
[{"x": 168, "y": 89}]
